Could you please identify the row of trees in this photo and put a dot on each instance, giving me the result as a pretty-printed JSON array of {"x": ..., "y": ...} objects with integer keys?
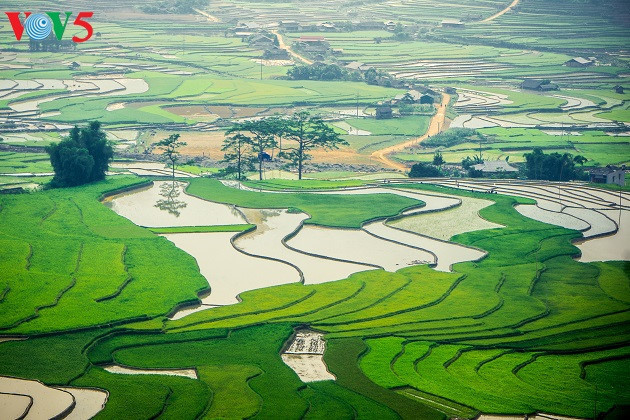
[{"x": 255, "y": 142}]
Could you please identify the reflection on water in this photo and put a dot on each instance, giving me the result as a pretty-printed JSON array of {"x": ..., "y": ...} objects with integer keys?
[{"x": 170, "y": 192}]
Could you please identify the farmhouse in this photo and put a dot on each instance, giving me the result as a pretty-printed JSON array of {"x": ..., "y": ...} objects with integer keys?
[
  {"x": 608, "y": 175},
  {"x": 579, "y": 62},
  {"x": 618, "y": 89},
  {"x": 357, "y": 66},
  {"x": 275, "y": 53},
  {"x": 452, "y": 23},
  {"x": 494, "y": 166},
  {"x": 262, "y": 41},
  {"x": 313, "y": 44},
  {"x": 290, "y": 25},
  {"x": 384, "y": 112},
  {"x": 541, "y": 85},
  {"x": 390, "y": 26}
]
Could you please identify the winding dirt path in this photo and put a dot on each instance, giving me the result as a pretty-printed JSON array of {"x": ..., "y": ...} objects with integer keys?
[
  {"x": 502, "y": 12},
  {"x": 281, "y": 44},
  {"x": 209, "y": 16},
  {"x": 435, "y": 126}
]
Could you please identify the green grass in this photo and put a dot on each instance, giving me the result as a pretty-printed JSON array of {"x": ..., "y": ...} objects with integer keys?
[
  {"x": 327, "y": 210},
  {"x": 78, "y": 256}
]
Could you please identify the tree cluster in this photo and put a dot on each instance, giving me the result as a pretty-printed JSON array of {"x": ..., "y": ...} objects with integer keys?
[
  {"x": 321, "y": 71},
  {"x": 553, "y": 167},
  {"x": 252, "y": 143},
  {"x": 80, "y": 158},
  {"x": 454, "y": 136}
]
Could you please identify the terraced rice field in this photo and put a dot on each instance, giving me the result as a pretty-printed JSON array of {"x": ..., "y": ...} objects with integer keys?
[{"x": 509, "y": 317}]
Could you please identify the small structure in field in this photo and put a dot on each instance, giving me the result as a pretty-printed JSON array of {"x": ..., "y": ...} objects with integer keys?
[
  {"x": 608, "y": 175},
  {"x": 276, "y": 53},
  {"x": 540, "y": 85},
  {"x": 452, "y": 23},
  {"x": 494, "y": 167},
  {"x": 357, "y": 66},
  {"x": 313, "y": 44},
  {"x": 290, "y": 25},
  {"x": 262, "y": 41},
  {"x": 579, "y": 62},
  {"x": 618, "y": 89},
  {"x": 384, "y": 112}
]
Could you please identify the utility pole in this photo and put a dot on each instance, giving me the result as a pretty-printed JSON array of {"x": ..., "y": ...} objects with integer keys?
[
  {"x": 357, "y": 104},
  {"x": 261, "y": 67}
]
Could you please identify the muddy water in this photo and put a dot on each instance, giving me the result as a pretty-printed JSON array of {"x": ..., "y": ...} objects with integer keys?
[
  {"x": 228, "y": 271},
  {"x": 185, "y": 373},
  {"x": 599, "y": 223},
  {"x": 359, "y": 246},
  {"x": 558, "y": 219},
  {"x": 447, "y": 253},
  {"x": 13, "y": 406},
  {"x": 273, "y": 226},
  {"x": 609, "y": 248},
  {"x": 47, "y": 402},
  {"x": 139, "y": 206},
  {"x": 444, "y": 225},
  {"x": 89, "y": 402}
]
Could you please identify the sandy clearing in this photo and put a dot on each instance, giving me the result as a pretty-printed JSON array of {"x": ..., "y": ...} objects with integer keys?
[
  {"x": 305, "y": 355},
  {"x": 115, "y": 106},
  {"x": 272, "y": 227},
  {"x": 122, "y": 370},
  {"x": 558, "y": 219},
  {"x": 47, "y": 402},
  {"x": 342, "y": 243},
  {"x": 89, "y": 402},
  {"x": 139, "y": 207},
  {"x": 308, "y": 367},
  {"x": 445, "y": 225},
  {"x": 13, "y": 406},
  {"x": 228, "y": 271}
]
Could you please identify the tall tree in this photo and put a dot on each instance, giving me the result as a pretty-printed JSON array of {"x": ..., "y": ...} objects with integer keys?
[
  {"x": 169, "y": 148},
  {"x": 81, "y": 157},
  {"x": 308, "y": 133},
  {"x": 438, "y": 159},
  {"x": 262, "y": 139},
  {"x": 238, "y": 153}
]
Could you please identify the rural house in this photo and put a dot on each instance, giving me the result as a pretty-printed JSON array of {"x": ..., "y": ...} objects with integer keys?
[
  {"x": 313, "y": 44},
  {"x": 290, "y": 25},
  {"x": 608, "y": 175},
  {"x": 275, "y": 53},
  {"x": 579, "y": 62},
  {"x": 540, "y": 85},
  {"x": 262, "y": 41},
  {"x": 384, "y": 112},
  {"x": 618, "y": 89},
  {"x": 452, "y": 23},
  {"x": 494, "y": 166}
]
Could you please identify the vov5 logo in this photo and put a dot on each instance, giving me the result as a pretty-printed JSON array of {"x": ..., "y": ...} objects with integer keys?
[{"x": 38, "y": 26}]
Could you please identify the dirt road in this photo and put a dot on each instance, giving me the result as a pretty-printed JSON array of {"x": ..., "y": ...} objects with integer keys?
[
  {"x": 502, "y": 12},
  {"x": 209, "y": 16},
  {"x": 281, "y": 44},
  {"x": 435, "y": 126}
]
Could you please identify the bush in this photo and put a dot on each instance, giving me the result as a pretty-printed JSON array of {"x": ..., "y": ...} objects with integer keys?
[
  {"x": 81, "y": 157},
  {"x": 422, "y": 169},
  {"x": 452, "y": 137}
]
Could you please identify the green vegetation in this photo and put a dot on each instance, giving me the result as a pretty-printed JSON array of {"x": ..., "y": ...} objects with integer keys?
[
  {"x": 80, "y": 158},
  {"x": 327, "y": 210}
]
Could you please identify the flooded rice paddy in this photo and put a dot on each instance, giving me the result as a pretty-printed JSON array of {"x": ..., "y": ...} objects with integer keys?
[{"x": 282, "y": 250}]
